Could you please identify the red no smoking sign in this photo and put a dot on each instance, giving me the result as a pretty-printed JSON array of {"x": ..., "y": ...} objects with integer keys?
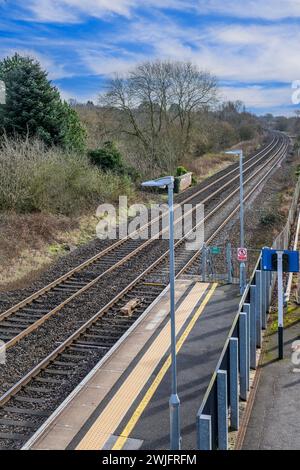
[{"x": 242, "y": 254}]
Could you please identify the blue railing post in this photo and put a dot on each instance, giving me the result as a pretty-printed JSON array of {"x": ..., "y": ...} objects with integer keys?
[
  {"x": 222, "y": 410},
  {"x": 244, "y": 371},
  {"x": 246, "y": 309},
  {"x": 234, "y": 382},
  {"x": 204, "y": 439},
  {"x": 264, "y": 292},
  {"x": 252, "y": 327},
  {"x": 258, "y": 307}
]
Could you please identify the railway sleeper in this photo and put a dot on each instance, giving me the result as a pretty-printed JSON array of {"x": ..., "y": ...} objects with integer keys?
[
  {"x": 23, "y": 399},
  {"x": 14, "y": 437},
  {"x": 35, "y": 310},
  {"x": 22, "y": 320},
  {"x": 6, "y": 337},
  {"x": 47, "y": 380},
  {"x": 37, "y": 389},
  {"x": 88, "y": 345},
  {"x": 59, "y": 372},
  {"x": 65, "y": 289},
  {"x": 26, "y": 315},
  {"x": 11, "y": 332},
  {"x": 26, "y": 411},
  {"x": 104, "y": 337},
  {"x": 67, "y": 355},
  {"x": 109, "y": 327},
  {"x": 129, "y": 320},
  {"x": 65, "y": 364},
  {"x": 95, "y": 338},
  {"x": 74, "y": 282},
  {"x": 13, "y": 325},
  {"x": 15, "y": 423},
  {"x": 110, "y": 322}
]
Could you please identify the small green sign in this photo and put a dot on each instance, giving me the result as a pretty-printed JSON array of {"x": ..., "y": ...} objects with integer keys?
[{"x": 215, "y": 250}]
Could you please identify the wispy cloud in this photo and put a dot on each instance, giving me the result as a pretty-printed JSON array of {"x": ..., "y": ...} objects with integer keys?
[
  {"x": 75, "y": 11},
  {"x": 266, "y": 9},
  {"x": 258, "y": 96},
  {"x": 252, "y": 46},
  {"x": 250, "y": 53}
]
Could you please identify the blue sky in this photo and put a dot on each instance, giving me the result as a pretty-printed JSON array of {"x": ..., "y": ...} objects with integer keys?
[{"x": 252, "y": 46}]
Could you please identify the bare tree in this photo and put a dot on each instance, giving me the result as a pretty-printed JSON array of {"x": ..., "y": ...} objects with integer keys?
[{"x": 158, "y": 103}]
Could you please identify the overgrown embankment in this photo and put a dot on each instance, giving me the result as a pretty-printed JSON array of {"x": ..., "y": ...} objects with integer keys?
[{"x": 48, "y": 201}]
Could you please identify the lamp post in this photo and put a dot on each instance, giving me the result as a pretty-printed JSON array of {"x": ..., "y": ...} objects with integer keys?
[
  {"x": 175, "y": 439},
  {"x": 239, "y": 153}
]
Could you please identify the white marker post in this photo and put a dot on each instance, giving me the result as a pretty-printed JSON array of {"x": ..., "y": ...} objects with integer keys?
[{"x": 280, "y": 303}]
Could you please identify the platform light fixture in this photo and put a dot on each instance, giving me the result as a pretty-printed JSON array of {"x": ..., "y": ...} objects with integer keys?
[
  {"x": 175, "y": 439},
  {"x": 240, "y": 154}
]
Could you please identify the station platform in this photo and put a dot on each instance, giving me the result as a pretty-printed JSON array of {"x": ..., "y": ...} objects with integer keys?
[{"x": 124, "y": 402}]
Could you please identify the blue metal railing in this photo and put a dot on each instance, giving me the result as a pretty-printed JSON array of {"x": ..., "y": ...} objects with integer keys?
[{"x": 231, "y": 379}]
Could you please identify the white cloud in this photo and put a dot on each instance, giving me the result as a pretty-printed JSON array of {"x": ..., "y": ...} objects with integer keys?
[
  {"x": 73, "y": 11},
  {"x": 252, "y": 53},
  {"x": 246, "y": 53},
  {"x": 249, "y": 53},
  {"x": 76, "y": 10},
  {"x": 266, "y": 9},
  {"x": 258, "y": 96},
  {"x": 100, "y": 63}
]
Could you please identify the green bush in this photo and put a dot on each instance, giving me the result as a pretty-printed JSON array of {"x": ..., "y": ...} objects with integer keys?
[
  {"x": 180, "y": 171},
  {"x": 246, "y": 132},
  {"x": 268, "y": 218},
  {"x": 34, "y": 178},
  {"x": 108, "y": 158}
]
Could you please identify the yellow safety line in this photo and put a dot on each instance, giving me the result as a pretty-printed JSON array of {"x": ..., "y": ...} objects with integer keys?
[{"x": 154, "y": 385}]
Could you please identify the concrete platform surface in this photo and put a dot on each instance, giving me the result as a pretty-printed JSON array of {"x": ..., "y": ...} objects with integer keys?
[
  {"x": 124, "y": 403},
  {"x": 275, "y": 419}
]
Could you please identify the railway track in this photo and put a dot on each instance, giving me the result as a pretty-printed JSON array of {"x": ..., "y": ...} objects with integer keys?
[
  {"x": 27, "y": 404},
  {"x": 23, "y": 318}
]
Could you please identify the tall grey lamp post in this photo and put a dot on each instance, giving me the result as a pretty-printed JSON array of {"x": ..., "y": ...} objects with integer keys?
[
  {"x": 242, "y": 230},
  {"x": 175, "y": 439}
]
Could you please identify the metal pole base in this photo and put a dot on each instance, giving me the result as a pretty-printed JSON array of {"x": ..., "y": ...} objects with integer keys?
[
  {"x": 280, "y": 342},
  {"x": 175, "y": 439}
]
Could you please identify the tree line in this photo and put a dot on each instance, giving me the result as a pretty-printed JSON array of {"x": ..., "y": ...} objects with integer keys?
[{"x": 158, "y": 115}]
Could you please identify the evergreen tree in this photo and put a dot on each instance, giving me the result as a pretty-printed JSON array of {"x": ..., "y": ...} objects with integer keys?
[{"x": 33, "y": 106}]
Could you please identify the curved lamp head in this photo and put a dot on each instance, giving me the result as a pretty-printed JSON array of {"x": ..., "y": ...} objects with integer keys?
[
  {"x": 234, "y": 152},
  {"x": 159, "y": 183}
]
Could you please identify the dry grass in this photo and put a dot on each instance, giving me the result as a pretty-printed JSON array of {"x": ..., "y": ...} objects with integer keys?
[
  {"x": 45, "y": 194},
  {"x": 34, "y": 178},
  {"x": 23, "y": 241},
  {"x": 210, "y": 163},
  {"x": 30, "y": 243}
]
